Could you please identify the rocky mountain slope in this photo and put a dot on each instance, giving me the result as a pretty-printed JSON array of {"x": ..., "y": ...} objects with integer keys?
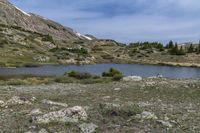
[
  {"x": 12, "y": 15},
  {"x": 26, "y": 38}
]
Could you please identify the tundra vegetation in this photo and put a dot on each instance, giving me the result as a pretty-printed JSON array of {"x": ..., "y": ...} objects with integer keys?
[{"x": 82, "y": 102}]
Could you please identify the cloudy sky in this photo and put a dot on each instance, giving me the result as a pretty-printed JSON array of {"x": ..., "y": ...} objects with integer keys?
[{"x": 124, "y": 20}]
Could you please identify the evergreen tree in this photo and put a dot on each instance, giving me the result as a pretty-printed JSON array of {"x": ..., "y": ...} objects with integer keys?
[
  {"x": 171, "y": 44},
  {"x": 181, "y": 51},
  {"x": 174, "y": 50},
  {"x": 191, "y": 49},
  {"x": 198, "y": 48}
]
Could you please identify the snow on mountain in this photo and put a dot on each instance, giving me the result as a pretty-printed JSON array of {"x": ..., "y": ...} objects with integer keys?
[
  {"x": 83, "y": 36},
  {"x": 22, "y": 11}
]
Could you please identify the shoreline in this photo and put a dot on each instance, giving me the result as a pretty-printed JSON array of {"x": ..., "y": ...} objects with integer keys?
[{"x": 171, "y": 64}]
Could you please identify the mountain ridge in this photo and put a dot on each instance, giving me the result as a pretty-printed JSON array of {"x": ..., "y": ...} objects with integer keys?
[{"x": 12, "y": 15}]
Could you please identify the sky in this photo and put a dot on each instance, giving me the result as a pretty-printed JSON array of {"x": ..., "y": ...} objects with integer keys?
[{"x": 123, "y": 20}]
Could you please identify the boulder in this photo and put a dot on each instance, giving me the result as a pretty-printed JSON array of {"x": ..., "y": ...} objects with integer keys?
[
  {"x": 132, "y": 78},
  {"x": 88, "y": 128},
  {"x": 42, "y": 58},
  {"x": 117, "y": 89},
  {"x": 71, "y": 115},
  {"x": 54, "y": 103},
  {"x": 35, "y": 112},
  {"x": 16, "y": 101},
  {"x": 147, "y": 115},
  {"x": 165, "y": 123},
  {"x": 43, "y": 131},
  {"x": 1, "y": 102}
]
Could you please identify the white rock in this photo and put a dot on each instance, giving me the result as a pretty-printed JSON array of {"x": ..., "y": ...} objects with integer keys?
[
  {"x": 106, "y": 97},
  {"x": 43, "y": 131},
  {"x": 73, "y": 114},
  {"x": 16, "y": 101},
  {"x": 147, "y": 115},
  {"x": 54, "y": 103},
  {"x": 117, "y": 89},
  {"x": 36, "y": 112},
  {"x": 143, "y": 104},
  {"x": 132, "y": 78},
  {"x": 165, "y": 123},
  {"x": 1, "y": 102},
  {"x": 33, "y": 99},
  {"x": 88, "y": 128}
]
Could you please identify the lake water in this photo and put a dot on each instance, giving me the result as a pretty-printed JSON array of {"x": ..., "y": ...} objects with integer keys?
[{"x": 126, "y": 69}]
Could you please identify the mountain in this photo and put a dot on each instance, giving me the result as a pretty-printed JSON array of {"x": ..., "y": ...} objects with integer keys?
[
  {"x": 27, "y": 38},
  {"x": 12, "y": 15}
]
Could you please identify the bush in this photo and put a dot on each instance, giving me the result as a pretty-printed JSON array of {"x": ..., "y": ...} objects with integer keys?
[
  {"x": 111, "y": 73},
  {"x": 79, "y": 75},
  {"x": 48, "y": 38},
  {"x": 63, "y": 79},
  {"x": 15, "y": 82},
  {"x": 117, "y": 77},
  {"x": 118, "y": 110}
]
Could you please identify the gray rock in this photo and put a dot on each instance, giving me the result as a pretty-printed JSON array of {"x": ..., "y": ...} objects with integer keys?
[
  {"x": 16, "y": 101},
  {"x": 147, "y": 115},
  {"x": 117, "y": 89},
  {"x": 73, "y": 115},
  {"x": 54, "y": 103},
  {"x": 143, "y": 104},
  {"x": 35, "y": 112},
  {"x": 165, "y": 123},
  {"x": 132, "y": 78},
  {"x": 106, "y": 97},
  {"x": 1, "y": 102},
  {"x": 43, "y": 131},
  {"x": 88, "y": 128},
  {"x": 42, "y": 58},
  {"x": 33, "y": 99}
]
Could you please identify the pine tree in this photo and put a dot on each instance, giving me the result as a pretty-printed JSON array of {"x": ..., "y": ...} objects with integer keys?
[
  {"x": 191, "y": 49},
  {"x": 174, "y": 50},
  {"x": 198, "y": 48},
  {"x": 171, "y": 44}
]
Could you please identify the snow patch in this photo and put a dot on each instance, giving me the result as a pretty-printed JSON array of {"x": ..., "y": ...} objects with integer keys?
[
  {"x": 23, "y": 11},
  {"x": 83, "y": 36}
]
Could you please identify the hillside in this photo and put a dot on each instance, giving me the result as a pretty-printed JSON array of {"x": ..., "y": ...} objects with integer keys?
[{"x": 26, "y": 38}]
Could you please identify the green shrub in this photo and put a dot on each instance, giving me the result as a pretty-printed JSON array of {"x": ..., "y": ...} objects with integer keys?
[
  {"x": 119, "y": 110},
  {"x": 111, "y": 73},
  {"x": 79, "y": 75},
  {"x": 63, "y": 79},
  {"x": 15, "y": 82},
  {"x": 48, "y": 38},
  {"x": 117, "y": 77}
]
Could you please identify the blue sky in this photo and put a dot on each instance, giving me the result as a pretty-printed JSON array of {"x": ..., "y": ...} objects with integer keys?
[{"x": 123, "y": 20}]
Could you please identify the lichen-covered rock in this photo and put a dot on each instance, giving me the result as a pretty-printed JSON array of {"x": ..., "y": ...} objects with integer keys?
[
  {"x": 42, "y": 58},
  {"x": 43, "y": 131},
  {"x": 165, "y": 123},
  {"x": 88, "y": 128},
  {"x": 54, "y": 103},
  {"x": 147, "y": 115},
  {"x": 16, "y": 101},
  {"x": 35, "y": 112},
  {"x": 1, "y": 102},
  {"x": 73, "y": 114}
]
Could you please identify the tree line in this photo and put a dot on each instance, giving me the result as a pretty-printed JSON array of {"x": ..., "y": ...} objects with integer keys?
[{"x": 172, "y": 47}]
